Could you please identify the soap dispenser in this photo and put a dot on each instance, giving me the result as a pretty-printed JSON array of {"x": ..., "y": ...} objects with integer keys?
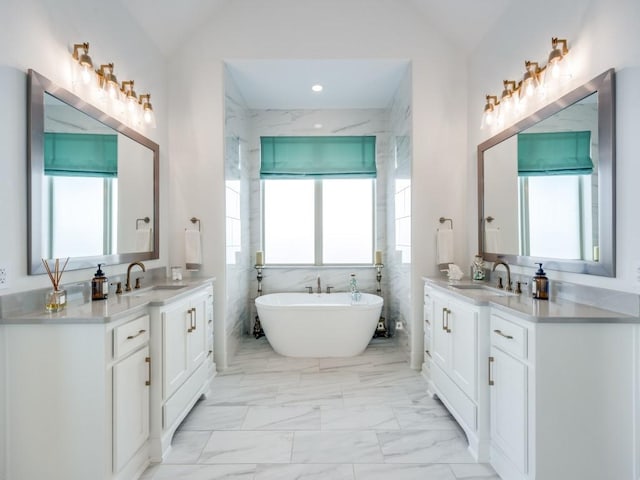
[
  {"x": 99, "y": 285},
  {"x": 540, "y": 284}
]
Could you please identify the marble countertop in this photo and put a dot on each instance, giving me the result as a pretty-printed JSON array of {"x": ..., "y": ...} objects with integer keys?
[
  {"x": 114, "y": 307},
  {"x": 528, "y": 308}
]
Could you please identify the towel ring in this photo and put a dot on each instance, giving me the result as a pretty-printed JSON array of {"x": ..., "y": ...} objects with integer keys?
[
  {"x": 138, "y": 220},
  {"x": 442, "y": 220},
  {"x": 196, "y": 220}
]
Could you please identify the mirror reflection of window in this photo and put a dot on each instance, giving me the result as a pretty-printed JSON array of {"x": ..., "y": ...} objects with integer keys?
[
  {"x": 79, "y": 219},
  {"x": 556, "y": 225}
]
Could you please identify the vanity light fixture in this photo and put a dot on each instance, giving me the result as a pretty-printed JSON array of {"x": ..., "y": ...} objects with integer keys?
[
  {"x": 148, "y": 116},
  {"x": 531, "y": 79},
  {"x": 121, "y": 99},
  {"x": 537, "y": 81},
  {"x": 107, "y": 81},
  {"x": 507, "y": 98},
  {"x": 557, "y": 57},
  {"x": 84, "y": 61},
  {"x": 129, "y": 94},
  {"x": 489, "y": 111}
]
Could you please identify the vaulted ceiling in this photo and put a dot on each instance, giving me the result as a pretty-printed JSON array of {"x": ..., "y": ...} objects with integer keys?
[
  {"x": 168, "y": 23},
  {"x": 285, "y": 84}
]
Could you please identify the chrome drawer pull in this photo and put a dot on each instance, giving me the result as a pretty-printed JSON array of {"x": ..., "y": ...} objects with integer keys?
[
  {"x": 499, "y": 332},
  {"x": 140, "y": 332}
]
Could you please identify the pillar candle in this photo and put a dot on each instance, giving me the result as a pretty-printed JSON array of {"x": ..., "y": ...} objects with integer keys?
[
  {"x": 259, "y": 258},
  {"x": 378, "y": 257}
]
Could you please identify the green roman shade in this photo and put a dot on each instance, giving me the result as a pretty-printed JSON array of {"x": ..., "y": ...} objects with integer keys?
[
  {"x": 554, "y": 153},
  {"x": 80, "y": 155},
  {"x": 329, "y": 157}
]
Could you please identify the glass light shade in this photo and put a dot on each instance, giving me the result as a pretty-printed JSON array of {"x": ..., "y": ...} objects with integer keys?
[
  {"x": 86, "y": 74},
  {"x": 148, "y": 115},
  {"x": 506, "y": 103},
  {"x": 488, "y": 116}
]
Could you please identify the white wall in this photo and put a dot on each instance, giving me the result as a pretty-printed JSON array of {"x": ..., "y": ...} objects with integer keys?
[
  {"x": 282, "y": 29},
  {"x": 599, "y": 34}
]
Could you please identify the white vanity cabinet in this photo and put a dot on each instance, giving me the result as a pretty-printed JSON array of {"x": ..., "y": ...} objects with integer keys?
[
  {"x": 78, "y": 399},
  {"x": 459, "y": 349},
  {"x": 182, "y": 338},
  {"x": 561, "y": 399}
]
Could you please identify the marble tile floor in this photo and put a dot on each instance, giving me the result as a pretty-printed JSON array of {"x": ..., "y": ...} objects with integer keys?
[{"x": 270, "y": 417}]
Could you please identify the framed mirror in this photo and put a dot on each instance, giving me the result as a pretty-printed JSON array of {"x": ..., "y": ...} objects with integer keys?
[
  {"x": 546, "y": 185},
  {"x": 93, "y": 183}
]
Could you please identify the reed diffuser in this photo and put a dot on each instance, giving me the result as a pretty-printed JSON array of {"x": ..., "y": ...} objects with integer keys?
[{"x": 56, "y": 298}]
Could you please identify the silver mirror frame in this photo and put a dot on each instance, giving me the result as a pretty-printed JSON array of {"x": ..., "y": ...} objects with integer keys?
[
  {"x": 604, "y": 85},
  {"x": 37, "y": 86}
]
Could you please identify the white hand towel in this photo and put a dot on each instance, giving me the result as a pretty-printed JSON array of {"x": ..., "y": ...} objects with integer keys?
[
  {"x": 445, "y": 246},
  {"x": 192, "y": 249},
  {"x": 492, "y": 240},
  {"x": 143, "y": 240}
]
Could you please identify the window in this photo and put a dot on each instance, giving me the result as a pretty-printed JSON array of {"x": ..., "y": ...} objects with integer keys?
[
  {"x": 318, "y": 199},
  {"x": 323, "y": 221}
]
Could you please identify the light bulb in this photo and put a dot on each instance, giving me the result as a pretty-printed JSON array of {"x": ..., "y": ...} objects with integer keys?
[{"x": 86, "y": 74}]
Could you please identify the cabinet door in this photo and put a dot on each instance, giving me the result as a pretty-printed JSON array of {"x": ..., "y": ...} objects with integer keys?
[
  {"x": 439, "y": 334},
  {"x": 463, "y": 330},
  {"x": 130, "y": 406},
  {"x": 509, "y": 407},
  {"x": 197, "y": 338},
  {"x": 176, "y": 325}
]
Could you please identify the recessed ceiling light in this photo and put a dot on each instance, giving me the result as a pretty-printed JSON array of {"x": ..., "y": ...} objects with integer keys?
[{"x": 317, "y": 88}]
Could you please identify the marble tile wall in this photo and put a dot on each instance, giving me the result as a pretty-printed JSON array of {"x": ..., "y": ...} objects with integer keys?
[
  {"x": 398, "y": 245},
  {"x": 237, "y": 256}
]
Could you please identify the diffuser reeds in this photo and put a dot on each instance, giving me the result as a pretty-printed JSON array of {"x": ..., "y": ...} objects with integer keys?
[{"x": 56, "y": 274}]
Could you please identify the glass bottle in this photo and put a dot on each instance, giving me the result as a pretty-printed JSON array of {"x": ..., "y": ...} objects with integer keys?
[
  {"x": 55, "y": 300},
  {"x": 478, "y": 268},
  {"x": 353, "y": 287}
]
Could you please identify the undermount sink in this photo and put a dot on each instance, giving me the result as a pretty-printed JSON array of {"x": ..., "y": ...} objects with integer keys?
[
  {"x": 173, "y": 286},
  {"x": 144, "y": 291},
  {"x": 485, "y": 289}
]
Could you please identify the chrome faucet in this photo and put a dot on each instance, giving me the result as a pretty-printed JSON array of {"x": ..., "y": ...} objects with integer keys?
[
  {"x": 127, "y": 287},
  {"x": 319, "y": 287},
  {"x": 500, "y": 262}
]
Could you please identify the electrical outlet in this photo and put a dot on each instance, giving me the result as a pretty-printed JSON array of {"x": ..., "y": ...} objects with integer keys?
[
  {"x": 4, "y": 281},
  {"x": 399, "y": 326}
]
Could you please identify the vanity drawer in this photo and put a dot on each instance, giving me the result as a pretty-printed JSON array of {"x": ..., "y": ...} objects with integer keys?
[
  {"x": 509, "y": 336},
  {"x": 130, "y": 336}
]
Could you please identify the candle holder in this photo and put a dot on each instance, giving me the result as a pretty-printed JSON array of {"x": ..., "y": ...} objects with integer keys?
[
  {"x": 257, "y": 327},
  {"x": 381, "y": 329}
]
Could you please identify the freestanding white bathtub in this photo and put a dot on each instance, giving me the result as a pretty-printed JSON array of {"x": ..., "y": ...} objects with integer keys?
[{"x": 318, "y": 324}]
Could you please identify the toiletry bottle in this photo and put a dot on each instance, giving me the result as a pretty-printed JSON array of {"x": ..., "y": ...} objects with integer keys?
[
  {"x": 353, "y": 286},
  {"x": 540, "y": 285},
  {"x": 99, "y": 285}
]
